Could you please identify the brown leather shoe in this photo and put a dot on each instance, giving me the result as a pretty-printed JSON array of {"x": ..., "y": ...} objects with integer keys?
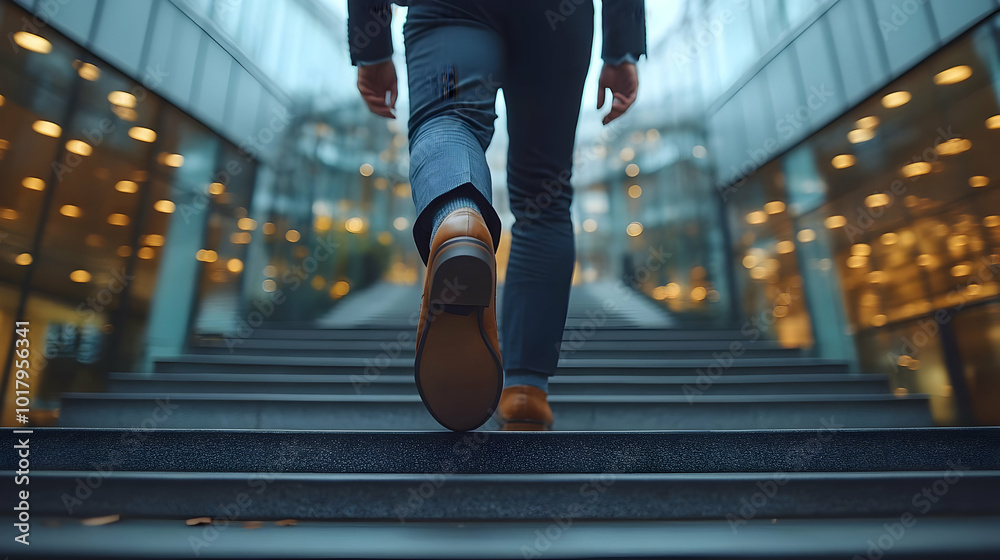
[
  {"x": 524, "y": 408},
  {"x": 458, "y": 369}
]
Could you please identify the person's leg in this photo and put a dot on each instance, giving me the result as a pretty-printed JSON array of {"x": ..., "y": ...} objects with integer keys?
[
  {"x": 454, "y": 61},
  {"x": 547, "y": 63}
]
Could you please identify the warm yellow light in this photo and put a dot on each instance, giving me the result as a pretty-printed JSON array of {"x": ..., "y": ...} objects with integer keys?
[
  {"x": 24, "y": 259},
  {"x": 206, "y": 255},
  {"x": 953, "y": 146},
  {"x": 33, "y": 183},
  {"x": 2, "y": 100},
  {"x": 632, "y": 170},
  {"x": 749, "y": 260},
  {"x": 381, "y": 183},
  {"x": 79, "y": 147},
  {"x": 366, "y": 169},
  {"x": 240, "y": 238},
  {"x": 991, "y": 221},
  {"x": 87, "y": 71},
  {"x": 627, "y": 154},
  {"x": 896, "y": 99},
  {"x": 862, "y": 249},
  {"x": 879, "y": 320},
  {"x": 340, "y": 289},
  {"x": 916, "y": 168},
  {"x": 269, "y": 285},
  {"x": 856, "y": 261},
  {"x": 925, "y": 260},
  {"x": 979, "y": 181},
  {"x": 322, "y": 223},
  {"x": 153, "y": 240},
  {"x": 835, "y": 221},
  {"x": 756, "y": 217},
  {"x": 758, "y": 273},
  {"x": 590, "y": 225},
  {"x": 354, "y": 224},
  {"x": 860, "y": 135},
  {"x": 672, "y": 290},
  {"x": 128, "y": 187},
  {"x": 993, "y": 122},
  {"x": 70, "y": 211},
  {"x": 876, "y": 200},
  {"x": 270, "y": 271},
  {"x": 889, "y": 238},
  {"x": 317, "y": 282},
  {"x": 246, "y": 224},
  {"x": 953, "y": 75},
  {"x": 785, "y": 247},
  {"x": 32, "y": 42},
  {"x": 292, "y": 236},
  {"x": 843, "y": 161},
  {"x": 122, "y": 99},
  {"x": 774, "y": 207},
  {"x": 117, "y": 219},
  {"x": 400, "y": 223},
  {"x": 165, "y": 206},
  {"x": 384, "y": 238},
  {"x": 171, "y": 160},
  {"x": 698, "y": 293},
  {"x": 876, "y": 276},
  {"x": 867, "y": 122},
  {"x": 961, "y": 270},
  {"x": 634, "y": 229},
  {"x": 79, "y": 276},
  {"x": 126, "y": 114},
  {"x": 8, "y": 213},
  {"x": 268, "y": 228},
  {"x": 806, "y": 235},
  {"x": 146, "y": 253},
  {"x": 216, "y": 188},
  {"x": 234, "y": 265},
  {"x": 47, "y": 128},
  {"x": 144, "y": 134},
  {"x": 635, "y": 191}
]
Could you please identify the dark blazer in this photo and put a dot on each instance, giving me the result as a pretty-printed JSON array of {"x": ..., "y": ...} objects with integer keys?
[{"x": 368, "y": 29}]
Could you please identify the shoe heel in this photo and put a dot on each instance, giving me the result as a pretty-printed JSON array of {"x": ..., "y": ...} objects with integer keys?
[{"x": 463, "y": 273}]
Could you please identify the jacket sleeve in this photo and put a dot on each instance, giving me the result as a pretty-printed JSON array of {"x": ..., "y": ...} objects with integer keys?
[
  {"x": 624, "y": 30},
  {"x": 369, "y": 33}
]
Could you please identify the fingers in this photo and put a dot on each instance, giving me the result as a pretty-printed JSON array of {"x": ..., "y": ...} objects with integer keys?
[
  {"x": 619, "y": 105},
  {"x": 600, "y": 94},
  {"x": 377, "y": 105}
]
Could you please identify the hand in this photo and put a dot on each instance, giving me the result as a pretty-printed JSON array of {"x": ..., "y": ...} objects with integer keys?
[
  {"x": 373, "y": 81},
  {"x": 623, "y": 81}
]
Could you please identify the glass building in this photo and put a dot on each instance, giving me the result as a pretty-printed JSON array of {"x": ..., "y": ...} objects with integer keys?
[{"x": 816, "y": 171}]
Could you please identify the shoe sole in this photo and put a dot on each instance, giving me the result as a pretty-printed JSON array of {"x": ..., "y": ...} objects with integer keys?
[{"x": 458, "y": 373}]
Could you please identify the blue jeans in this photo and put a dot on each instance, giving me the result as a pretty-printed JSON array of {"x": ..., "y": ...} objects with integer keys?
[{"x": 458, "y": 54}]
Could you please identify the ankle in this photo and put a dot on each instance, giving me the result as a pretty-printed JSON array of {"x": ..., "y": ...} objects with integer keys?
[
  {"x": 526, "y": 377},
  {"x": 447, "y": 207}
]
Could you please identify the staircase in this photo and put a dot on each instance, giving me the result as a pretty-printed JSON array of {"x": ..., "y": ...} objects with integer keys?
[{"x": 674, "y": 443}]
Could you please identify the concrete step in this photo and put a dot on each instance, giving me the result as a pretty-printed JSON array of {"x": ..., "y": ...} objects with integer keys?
[
  {"x": 829, "y": 449},
  {"x": 572, "y": 412},
  {"x": 379, "y": 496},
  {"x": 321, "y": 384},
  {"x": 967, "y": 537},
  {"x": 388, "y": 363},
  {"x": 393, "y": 331},
  {"x": 404, "y": 346}
]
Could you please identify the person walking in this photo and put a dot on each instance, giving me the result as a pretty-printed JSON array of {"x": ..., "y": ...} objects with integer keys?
[{"x": 459, "y": 53}]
